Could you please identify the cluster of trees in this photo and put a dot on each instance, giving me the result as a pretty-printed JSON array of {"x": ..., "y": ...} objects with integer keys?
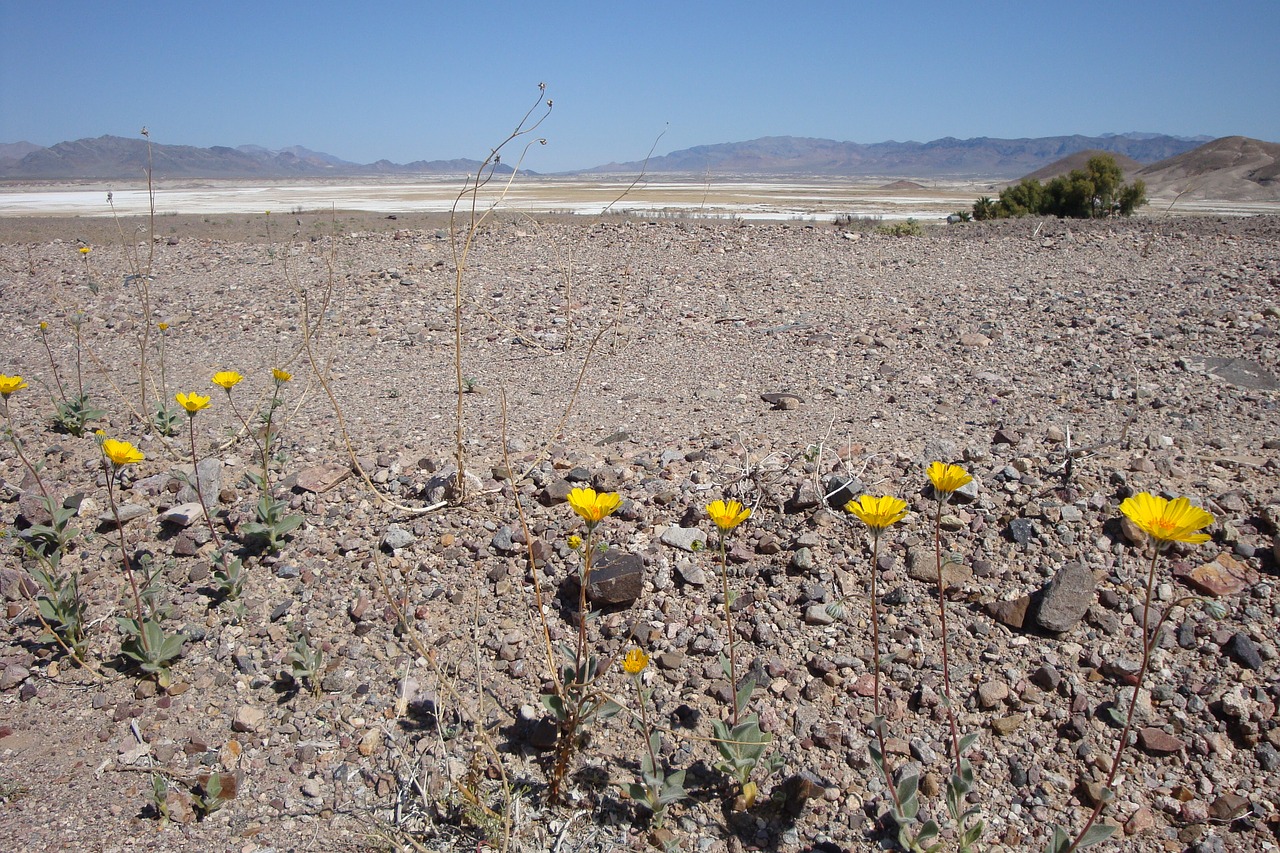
[{"x": 1095, "y": 190}]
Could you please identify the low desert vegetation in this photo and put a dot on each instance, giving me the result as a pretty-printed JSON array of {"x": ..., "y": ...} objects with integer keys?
[
  {"x": 1096, "y": 191},
  {"x": 596, "y": 685}
]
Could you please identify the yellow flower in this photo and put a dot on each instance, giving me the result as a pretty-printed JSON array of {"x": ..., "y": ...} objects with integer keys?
[
  {"x": 9, "y": 384},
  {"x": 594, "y": 507},
  {"x": 877, "y": 513},
  {"x": 162, "y": 326},
  {"x": 192, "y": 402},
  {"x": 84, "y": 250},
  {"x": 1167, "y": 521},
  {"x": 121, "y": 453},
  {"x": 226, "y": 378},
  {"x": 947, "y": 478},
  {"x": 281, "y": 375},
  {"x": 575, "y": 541},
  {"x": 43, "y": 326},
  {"x": 635, "y": 662},
  {"x": 727, "y": 515}
]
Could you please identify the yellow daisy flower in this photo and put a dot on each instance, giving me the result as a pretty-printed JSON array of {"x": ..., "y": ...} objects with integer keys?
[
  {"x": 192, "y": 402},
  {"x": 226, "y": 378},
  {"x": 1167, "y": 521},
  {"x": 121, "y": 453},
  {"x": 727, "y": 514},
  {"x": 947, "y": 478},
  {"x": 877, "y": 513},
  {"x": 635, "y": 662},
  {"x": 10, "y": 384},
  {"x": 593, "y": 506},
  {"x": 281, "y": 375}
]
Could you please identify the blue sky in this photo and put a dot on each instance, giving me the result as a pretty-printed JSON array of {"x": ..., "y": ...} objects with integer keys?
[{"x": 437, "y": 80}]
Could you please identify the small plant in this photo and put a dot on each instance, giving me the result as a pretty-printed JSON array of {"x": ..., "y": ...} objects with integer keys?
[
  {"x": 576, "y": 699},
  {"x": 657, "y": 788},
  {"x": 74, "y": 414},
  {"x": 306, "y": 664},
  {"x": 165, "y": 420},
  {"x": 273, "y": 520},
  {"x": 61, "y": 608},
  {"x": 211, "y": 792},
  {"x": 906, "y": 228},
  {"x": 1166, "y": 522},
  {"x": 741, "y": 743},
  {"x": 145, "y": 642}
]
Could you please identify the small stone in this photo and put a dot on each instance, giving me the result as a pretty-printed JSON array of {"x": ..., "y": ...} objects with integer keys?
[
  {"x": 671, "y": 660},
  {"x": 1159, "y": 742},
  {"x": 691, "y": 572},
  {"x": 1008, "y": 725},
  {"x": 991, "y": 694},
  {"x": 321, "y": 478},
  {"x": 1021, "y": 530},
  {"x": 684, "y": 538},
  {"x": 311, "y": 789},
  {"x": 974, "y": 339},
  {"x": 1228, "y": 807},
  {"x": 1142, "y": 820},
  {"x": 1011, "y": 613},
  {"x": 396, "y": 537},
  {"x": 1224, "y": 576},
  {"x": 1065, "y": 598},
  {"x": 182, "y": 515},
  {"x": 616, "y": 578},
  {"x": 248, "y": 719},
  {"x": 1006, "y": 436},
  {"x": 1243, "y": 651},
  {"x": 128, "y": 512},
  {"x": 13, "y": 675},
  {"x": 816, "y": 614}
]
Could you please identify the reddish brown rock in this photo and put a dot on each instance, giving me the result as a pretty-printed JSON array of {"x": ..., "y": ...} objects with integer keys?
[
  {"x": 1159, "y": 742},
  {"x": 1224, "y": 576}
]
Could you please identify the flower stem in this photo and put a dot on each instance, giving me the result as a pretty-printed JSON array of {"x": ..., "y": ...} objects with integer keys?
[
  {"x": 875, "y": 672},
  {"x": 728, "y": 621},
  {"x": 1148, "y": 641},
  {"x": 942, "y": 616},
  {"x": 124, "y": 555}
]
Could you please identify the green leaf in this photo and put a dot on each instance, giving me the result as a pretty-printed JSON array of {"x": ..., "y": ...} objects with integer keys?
[
  {"x": 1058, "y": 842},
  {"x": 555, "y": 705},
  {"x": 743, "y": 695},
  {"x": 1097, "y": 833},
  {"x": 968, "y": 741}
]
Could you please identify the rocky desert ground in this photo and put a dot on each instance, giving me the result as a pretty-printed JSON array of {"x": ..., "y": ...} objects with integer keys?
[{"x": 1065, "y": 365}]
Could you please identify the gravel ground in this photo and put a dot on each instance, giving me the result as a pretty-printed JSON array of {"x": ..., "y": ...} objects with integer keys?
[{"x": 755, "y": 362}]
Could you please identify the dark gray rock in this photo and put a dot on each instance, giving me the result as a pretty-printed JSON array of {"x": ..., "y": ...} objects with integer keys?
[
  {"x": 1021, "y": 530},
  {"x": 1065, "y": 598},
  {"x": 616, "y": 578},
  {"x": 1243, "y": 651}
]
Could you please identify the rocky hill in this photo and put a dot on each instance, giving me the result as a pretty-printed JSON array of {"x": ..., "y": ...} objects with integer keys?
[{"x": 1234, "y": 167}]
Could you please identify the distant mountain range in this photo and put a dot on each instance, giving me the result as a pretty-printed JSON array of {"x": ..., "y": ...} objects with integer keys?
[
  {"x": 981, "y": 157},
  {"x": 120, "y": 158}
]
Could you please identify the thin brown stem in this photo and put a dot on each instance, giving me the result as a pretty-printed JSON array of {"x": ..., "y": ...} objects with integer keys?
[
  {"x": 17, "y": 447},
  {"x": 124, "y": 556},
  {"x": 942, "y": 616},
  {"x": 875, "y": 670},
  {"x": 1148, "y": 641},
  {"x": 728, "y": 622}
]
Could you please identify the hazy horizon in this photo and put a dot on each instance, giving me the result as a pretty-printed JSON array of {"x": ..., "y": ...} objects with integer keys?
[{"x": 407, "y": 81}]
